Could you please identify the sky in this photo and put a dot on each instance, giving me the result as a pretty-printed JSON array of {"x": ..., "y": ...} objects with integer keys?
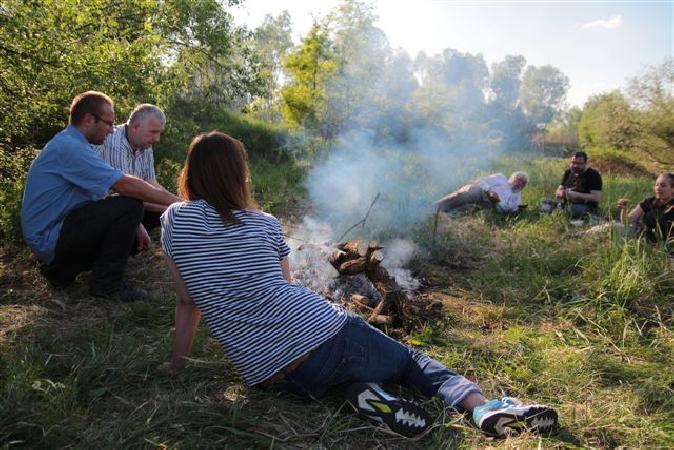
[{"x": 597, "y": 44}]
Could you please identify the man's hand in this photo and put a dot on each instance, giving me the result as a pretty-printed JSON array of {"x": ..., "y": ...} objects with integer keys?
[
  {"x": 464, "y": 188},
  {"x": 561, "y": 192},
  {"x": 143, "y": 240},
  {"x": 493, "y": 197},
  {"x": 572, "y": 195},
  {"x": 623, "y": 203}
]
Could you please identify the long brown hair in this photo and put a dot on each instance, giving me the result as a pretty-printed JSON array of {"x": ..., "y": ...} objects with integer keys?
[{"x": 216, "y": 170}]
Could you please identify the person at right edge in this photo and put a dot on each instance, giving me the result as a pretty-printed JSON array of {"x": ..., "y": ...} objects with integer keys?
[
  {"x": 654, "y": 216},
  {"x": 230, "y": 264}
]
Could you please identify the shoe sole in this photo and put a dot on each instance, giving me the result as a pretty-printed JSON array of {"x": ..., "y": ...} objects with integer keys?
[
  {"x": 539, "y": 419},
  {"x": 400, "y": 416}
]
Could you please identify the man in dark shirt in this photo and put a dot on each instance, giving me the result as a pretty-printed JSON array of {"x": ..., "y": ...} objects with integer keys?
[{"x": 581, "y": 187}]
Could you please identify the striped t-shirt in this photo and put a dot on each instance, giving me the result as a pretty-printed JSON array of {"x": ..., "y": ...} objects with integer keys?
[
  {"x": 233, "y": 274},
  {"x": 117, "y": 151}
]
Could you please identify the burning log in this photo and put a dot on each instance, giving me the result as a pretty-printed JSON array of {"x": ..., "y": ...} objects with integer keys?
[
  {"x": 354, "y": 257},
  {"x": 363, "y": 303}
]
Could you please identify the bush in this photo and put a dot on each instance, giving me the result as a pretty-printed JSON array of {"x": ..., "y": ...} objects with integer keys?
[
  {"x": 14, "y": 163},
  {"x": 186, "y": 120}
]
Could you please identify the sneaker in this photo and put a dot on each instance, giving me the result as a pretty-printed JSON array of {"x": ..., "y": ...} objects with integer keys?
[
  {"x": 122, "y": 292},
  {"x": 510, "y": 416},
  {"x": 401, "y": 416}
]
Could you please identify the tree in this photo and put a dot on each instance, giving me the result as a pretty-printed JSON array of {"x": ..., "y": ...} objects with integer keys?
[
  {"x": 310, "y": 67},
  {"x": 362, "y": 53},
  {"x": 147, "y": 50},
  {"x": 393, "y": 116},
  {"x": 543, "y": 93},
  {"x": 653, "y": 98},
  {"x": 506, "y": 81},
  {"x": 608, "y": 121},
  {"x": 271, "y": 41}
]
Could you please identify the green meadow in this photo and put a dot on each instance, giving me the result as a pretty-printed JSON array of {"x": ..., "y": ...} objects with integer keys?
[{"x": 532, "y": 307}]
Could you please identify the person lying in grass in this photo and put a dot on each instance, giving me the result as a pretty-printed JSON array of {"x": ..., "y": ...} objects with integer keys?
[
  {"x": 654, "y": 216},
  {"x": 495, "y": 190},
  {"x": 229, "y": 262}
]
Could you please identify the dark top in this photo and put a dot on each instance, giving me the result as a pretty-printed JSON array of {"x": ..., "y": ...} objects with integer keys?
[
  {"x": 658, "y": 219},
  {"x": 590, "y": 180}
]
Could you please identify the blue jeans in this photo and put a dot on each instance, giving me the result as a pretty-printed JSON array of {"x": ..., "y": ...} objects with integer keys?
[{"x": 361, "y": 353}]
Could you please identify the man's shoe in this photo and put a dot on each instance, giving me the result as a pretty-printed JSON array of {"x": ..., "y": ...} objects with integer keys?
[
  {"x": 401, "y": 416},
  {"x": 510, "y": 416},
  {"x": 123, "y": 292}
]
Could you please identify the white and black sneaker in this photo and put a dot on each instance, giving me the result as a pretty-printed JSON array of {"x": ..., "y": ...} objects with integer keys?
[
  {"x": 401, "y": 416},
  {"x": 510, "y": 416}
]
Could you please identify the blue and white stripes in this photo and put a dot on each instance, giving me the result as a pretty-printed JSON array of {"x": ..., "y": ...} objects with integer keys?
[{"x": 233, "y": 274}]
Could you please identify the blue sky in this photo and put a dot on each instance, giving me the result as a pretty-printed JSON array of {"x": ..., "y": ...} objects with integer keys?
[{"x": 598, "y": 44}]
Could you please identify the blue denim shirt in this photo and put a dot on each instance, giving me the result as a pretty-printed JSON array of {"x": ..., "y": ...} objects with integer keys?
[{"x": 65, "y": 175}]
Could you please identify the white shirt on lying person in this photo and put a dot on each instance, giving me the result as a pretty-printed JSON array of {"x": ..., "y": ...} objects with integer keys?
[{"x": 498, "y": 183}]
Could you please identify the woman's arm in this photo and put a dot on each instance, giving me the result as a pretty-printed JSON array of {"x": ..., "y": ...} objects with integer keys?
[
  {"x": 285, "y": 268},
  {"x": 634, "y": 216},
  {"x": 187, "y": 320}
]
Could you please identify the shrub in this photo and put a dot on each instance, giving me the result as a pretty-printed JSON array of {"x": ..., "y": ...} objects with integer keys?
[
  {"x": 14, "y": 163},
  {"x": 186, "y": 120}
]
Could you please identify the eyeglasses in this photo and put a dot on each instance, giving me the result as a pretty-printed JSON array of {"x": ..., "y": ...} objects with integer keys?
[{"x": 100, "y": 119}]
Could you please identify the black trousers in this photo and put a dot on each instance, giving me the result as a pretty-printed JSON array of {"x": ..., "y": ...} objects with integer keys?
[
  {"x": 151, "y": 220},
  {"x": 98, "y": 236}
]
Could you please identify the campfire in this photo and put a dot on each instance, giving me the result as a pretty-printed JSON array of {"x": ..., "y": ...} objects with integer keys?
[{"x": 365, "y": 285}]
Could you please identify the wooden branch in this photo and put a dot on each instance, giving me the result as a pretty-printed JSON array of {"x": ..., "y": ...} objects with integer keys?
[{"x": 361, "y": 222}]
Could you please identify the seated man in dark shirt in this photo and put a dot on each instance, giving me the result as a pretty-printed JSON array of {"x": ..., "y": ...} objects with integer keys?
[
  {"x": 655, "y": 215},
  {"x": 580, "y": 190}
]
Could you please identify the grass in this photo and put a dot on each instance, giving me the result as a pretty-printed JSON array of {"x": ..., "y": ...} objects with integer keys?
[{"x": 532, "y": 308}]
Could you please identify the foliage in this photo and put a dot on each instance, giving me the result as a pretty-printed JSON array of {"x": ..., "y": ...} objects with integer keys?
[
  {"x": 310, "y": 67},
  {"x": 271, "y": 40},
  {"x": 261, "y": 139},
  {"x": 14, "y": 165},
  {"x": 506, "y": 81},
  {"x": 564, "y": 129},
  {"x": 362, "y": 53},
  {"x": 639, "y": 121},
  {"x": 345, "y": 77},
  {"x": 608, "y": 121},
  {"x": 543, "y": 93},
  {"x": 134, "y": 51}
]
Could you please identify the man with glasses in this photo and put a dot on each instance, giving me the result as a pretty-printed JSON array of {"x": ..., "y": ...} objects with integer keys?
[
  {"x": 129, "y": 149},
  {"x": 66, "y": 219},
  {"x": 580, "y": 190}
]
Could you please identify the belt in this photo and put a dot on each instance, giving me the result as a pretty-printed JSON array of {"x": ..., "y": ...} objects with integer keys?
[{"x": 289, "y": 368}]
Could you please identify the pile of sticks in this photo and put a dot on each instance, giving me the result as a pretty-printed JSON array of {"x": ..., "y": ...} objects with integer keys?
[{"x": 395, "y": 310}]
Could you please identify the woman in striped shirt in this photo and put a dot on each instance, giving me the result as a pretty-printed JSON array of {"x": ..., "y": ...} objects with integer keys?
[{"x": 229, "y": 262}]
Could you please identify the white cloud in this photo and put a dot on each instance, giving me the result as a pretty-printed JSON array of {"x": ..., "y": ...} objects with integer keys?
[{"x": 615, "y": 21}]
